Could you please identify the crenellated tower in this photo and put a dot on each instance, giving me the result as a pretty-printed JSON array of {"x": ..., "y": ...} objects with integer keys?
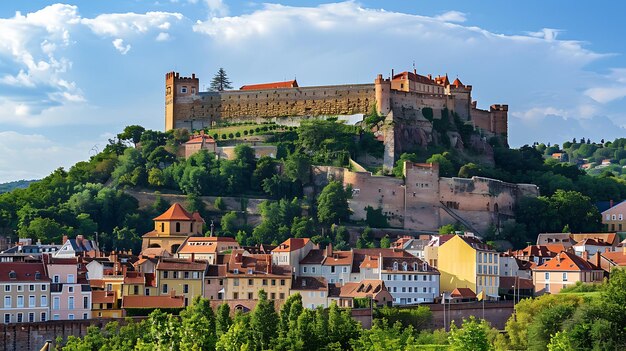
[{"x": 176, "y": 88}]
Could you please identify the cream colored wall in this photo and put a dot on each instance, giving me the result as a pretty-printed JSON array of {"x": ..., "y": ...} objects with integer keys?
[{"x": 243, "y": 287}]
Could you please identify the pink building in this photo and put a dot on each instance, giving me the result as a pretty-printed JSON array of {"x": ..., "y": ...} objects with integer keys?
[{"x": 70, "y": 293}]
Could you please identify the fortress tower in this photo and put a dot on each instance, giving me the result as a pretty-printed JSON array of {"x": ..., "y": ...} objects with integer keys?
[
  {"x": 177, "y": 87},
  {"x": 383, "y": 95}
]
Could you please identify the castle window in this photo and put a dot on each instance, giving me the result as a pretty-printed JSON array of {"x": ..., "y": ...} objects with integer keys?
[
  {"x": 193, "y": 90},
  {"x": 162, "y": 227},
  {"x": 183, "y": 90},
  {"x": 177, "y": 227}
]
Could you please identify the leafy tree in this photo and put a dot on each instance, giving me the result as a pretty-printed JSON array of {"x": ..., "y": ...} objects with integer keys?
[
  {"x": 472, "y": 336},
  {"x": 44, "y": 229},
  {"x": 132, "y": 133},
  {"x": 446, "y": 168},
  {"x": 298, "y": 167},
  {"x": 385, "y": 242},
  {"x": 230, "y": 223},
  {"x": 219, "y": 203},
  {"x": 262, "y": 322},
  {"x": 398, "y": 170},
  {"x": 332, "y": 204},
  {"x": 220, "y": 81},
  {"x": 222, "y": 319},
  {"x": 197, "y": 331},
  {"x": 239, "y": 336},
  {"x": 375, "y": 217}
]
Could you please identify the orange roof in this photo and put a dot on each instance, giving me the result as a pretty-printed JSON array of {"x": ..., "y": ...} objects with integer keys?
[
  {"x": 566, "y": 261},
  {"x": 196, "y": 217},
  {"x": 102, "y": 296},
  {"x": 198, "y": 139},
  {"x": 291, "y": 244},
  {"x": 176, "y": 212},
  {"x": 180, "y": 264},
  {"x": 457, "y": 83},
  {"x": 138, "y": 301},
  {"x": 273, "y": 85},
  {"x": 339, "y": 258},
  {"x": 617, "y": 257},
  {"x": 414, "y": 77},
  {"x": 465, "y": 293},
  {"x": 369, "y": 262},
  {"x": 610, "y": 238},
  {"x": 365, "y": 288}
]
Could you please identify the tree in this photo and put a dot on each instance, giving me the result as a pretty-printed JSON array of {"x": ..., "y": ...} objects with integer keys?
[
  {"x": 197, "y": 331},
  {"x": 332, "y": 204},
  {"x": 229, "y": 223},
  {"x": 132, "y": 133},
  {"x": 222, "y": 319},
  {"x": 385, "y": 242},
  {"x": 219, "y": 203},
  {"x": 375, "y": 217},
  {"x": 220, "y": 81},
  {"x": 262, "y": 322},
  {"x": 446, "y": 168},
  {"x": 472, "y": 336},
  {"x": 44, "y": 229}
]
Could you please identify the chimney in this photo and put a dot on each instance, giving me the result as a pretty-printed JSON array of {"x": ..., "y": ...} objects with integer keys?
[
  {"x": 193, "y": 76},
  {"x": 611, "y": 203},
  {"x": 269, "y": 267},
  {"x": 329, "y": 250},
  {"x": 172, "y": 293},
  {"x": 392, "y": 73},
  {"x": 414, "y": 70},
  {"x": 430, "y": 76},
  {"x": 598, "y": 259},
  {"x": 193, "y": 257},
  {"x": 64, "y": 239}
]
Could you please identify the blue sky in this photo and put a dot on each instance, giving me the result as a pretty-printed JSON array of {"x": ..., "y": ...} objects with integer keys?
[{"x": 73, "y": 74}]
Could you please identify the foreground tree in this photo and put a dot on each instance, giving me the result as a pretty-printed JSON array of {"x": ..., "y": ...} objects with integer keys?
[
  {"x": 220, "y": 81},
  {"x": 332, "y": 204}
]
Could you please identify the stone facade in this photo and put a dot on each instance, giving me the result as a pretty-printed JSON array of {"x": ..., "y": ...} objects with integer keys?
[
  {"x": 401, "y": 98},
  {"x": 425, "y": 201}
]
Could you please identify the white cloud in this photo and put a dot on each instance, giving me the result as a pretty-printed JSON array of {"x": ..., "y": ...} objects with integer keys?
[
  {"x": 163, "y": 36},
  {"x": 127, "y": 24},
  {"x": 548, "y": 34},
  {"x": 217, "y": 8},
  {"x": 119, "y": 46},
  {"x": 613, "y": 87},
  {"x": 452, "y": 16}
]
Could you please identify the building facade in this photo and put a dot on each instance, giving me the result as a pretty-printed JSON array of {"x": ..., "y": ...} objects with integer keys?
[{"x": 25, "y": 291}]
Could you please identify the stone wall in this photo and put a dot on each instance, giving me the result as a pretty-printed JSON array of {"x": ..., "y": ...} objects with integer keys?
[
  {"x": 199, "y": 111},
  {"x": 417, "y": 202},
  {"x": 496, "y": 313},
  {"x": 32, "y": 336}
]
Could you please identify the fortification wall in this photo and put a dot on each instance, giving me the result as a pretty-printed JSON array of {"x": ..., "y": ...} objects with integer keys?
[
  {"x": 259, "y": 105},
  {"x": 417, "y": 201},
  {"x": 410, "y": 100}
]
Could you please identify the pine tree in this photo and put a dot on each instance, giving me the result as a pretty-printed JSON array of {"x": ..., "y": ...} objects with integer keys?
[{"x": 220, "y": 81}]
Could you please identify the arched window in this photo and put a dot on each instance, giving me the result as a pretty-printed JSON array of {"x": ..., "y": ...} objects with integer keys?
[
  {"x": 395, "y": 266},
  {"x": 415, "y": 266},
  {"x": 177, "y": 227},
  {"x": 404, "y": 266}
]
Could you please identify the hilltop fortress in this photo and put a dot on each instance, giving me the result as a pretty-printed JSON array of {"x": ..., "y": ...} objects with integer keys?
[{"x": 409, "y": 101}]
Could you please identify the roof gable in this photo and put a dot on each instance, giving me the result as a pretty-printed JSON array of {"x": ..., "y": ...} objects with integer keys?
[{"x": 176, "y": 212}]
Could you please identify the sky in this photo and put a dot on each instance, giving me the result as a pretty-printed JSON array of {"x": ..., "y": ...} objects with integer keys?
[{"x": 73, "y": 74}]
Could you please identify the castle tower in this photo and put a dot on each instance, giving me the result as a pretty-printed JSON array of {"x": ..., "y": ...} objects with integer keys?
[
  {"x": 383, "y": 95},
  {"x": 176, "y": 88},
  {"x": 499, "y": 120}
]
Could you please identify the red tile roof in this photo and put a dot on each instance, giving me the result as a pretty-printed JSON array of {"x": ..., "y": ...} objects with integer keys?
[
  {"x": 176, "y": 212},
  {"x": 617, "y": 257},
  {"x": 309, "y": 283},
  {"x": 101, "y": 296},
  {"x": 414, "y": 77},
  {"x": 465, "y": 293},
  {"x": 457, "y": 83},
  {"x": 566, "y": 261},
  {"x": 339, "y": 258},
  {"x": 362, "y": 289},
  {"x": 22, "y": 272},
  {"x": 138, "y": 301},
  {"x": 199, "y": 139},
  {"x": 180, "y": 264},
  {"x": 273, "y": 85},
  {"x": 592, "y": 242},
  {"x": 291, "y": 244}
]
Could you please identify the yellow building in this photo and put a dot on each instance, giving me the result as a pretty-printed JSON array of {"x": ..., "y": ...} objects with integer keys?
[
  {"x": 466, "y": 262},
  {"x": 180, "y": 277},
  {"x": 172, "y": 228},
  {"x": 247, "y": 274},
  {"x": 106, "y": 301}
]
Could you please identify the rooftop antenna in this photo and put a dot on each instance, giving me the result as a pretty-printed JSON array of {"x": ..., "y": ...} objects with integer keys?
[{"x": 413, "y": 65}]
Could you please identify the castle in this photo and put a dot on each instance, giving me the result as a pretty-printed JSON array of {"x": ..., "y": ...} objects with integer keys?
[{"x": 409, "y": 101}]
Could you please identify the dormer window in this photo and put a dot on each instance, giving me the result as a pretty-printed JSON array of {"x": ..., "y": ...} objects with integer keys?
[
  {"x": 236, "y": 271},
  {"x": 250, "y": 271},
  {"x": 415, "y": 266},
  {"x": 37, "y": 275},
  {"x": 404, "y": 266},
  {"x": 424, "y": 266},
  {"x": 12, "y": 275},
  {"x": 395, "y": 266}
]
